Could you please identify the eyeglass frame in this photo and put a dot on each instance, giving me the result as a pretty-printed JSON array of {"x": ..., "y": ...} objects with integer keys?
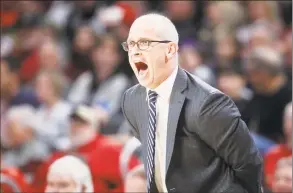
[{"x": 124, "y": 44}]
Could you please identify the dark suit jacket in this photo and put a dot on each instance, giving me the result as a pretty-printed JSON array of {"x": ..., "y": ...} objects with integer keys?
[{"x": 209, "y": 148}]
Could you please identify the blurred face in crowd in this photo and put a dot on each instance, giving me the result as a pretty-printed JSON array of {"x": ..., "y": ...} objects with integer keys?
[
  {"x": 179, "y": 10},
  {"x": 258, "y": 10},
  {"x": 260, "y": 37},
  {"x": 226, "y": 48},
  {"x": 17, "y": 134},
  {"x": 231, "y": 84},
  {"x": 29, "y": 7},
  {"x": 76, "y": 125},
  {"x": 61, "y": 183},
  {"x": 69, "y": 174},
  {"x": 9, "y": 80},
  {"x": 190, "y": 58},
  {"x": 44, "y": 88},
  {"x": 106, "y": 55},
  {"x": 84, "y": 39},
  {"x": 48, "y": 55},
  {"x": 30, "y": 38},
  {"x": 283, "y": 178},
  {"x": 80, "y": 132},
  {"x": 153, "y": 62},
  {"x": 257, "y": 78},
  {"x": 213, "y": 12}
]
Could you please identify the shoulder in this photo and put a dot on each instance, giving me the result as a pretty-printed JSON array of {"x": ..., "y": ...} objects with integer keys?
[
  {"x": 205, "y": 101},
  {"x": 198, "y": 87},
  {"x": 201, "y": 92},
  {"x": 132, "y": 92}
]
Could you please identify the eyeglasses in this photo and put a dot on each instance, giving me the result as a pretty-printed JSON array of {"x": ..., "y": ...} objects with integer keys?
[{"x": 141, "y": 44}]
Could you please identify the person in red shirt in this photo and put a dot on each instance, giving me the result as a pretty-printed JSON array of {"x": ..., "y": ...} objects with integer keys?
[
  {"x": 69, "y": 174},
  {"x": 13, "y": 180},
  {"x": 280, "y": 151},
  {"x": 100, "y": 153},
  {"x": 282, "y": 182}
]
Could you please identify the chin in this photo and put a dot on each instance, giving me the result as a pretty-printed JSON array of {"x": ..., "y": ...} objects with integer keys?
[{"x": 144, "y": 83}]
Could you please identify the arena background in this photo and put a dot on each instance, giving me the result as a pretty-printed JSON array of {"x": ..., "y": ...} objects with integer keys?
[{"x": 57, "y": 55}]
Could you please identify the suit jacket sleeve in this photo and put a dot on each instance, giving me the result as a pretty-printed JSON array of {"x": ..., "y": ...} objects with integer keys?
[
  {"x": 221, "y": 127},
  {"x": 128, "y": 114}
]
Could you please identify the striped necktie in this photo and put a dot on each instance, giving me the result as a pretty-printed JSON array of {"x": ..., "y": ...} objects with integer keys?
[{"x": 151, "y": 139}]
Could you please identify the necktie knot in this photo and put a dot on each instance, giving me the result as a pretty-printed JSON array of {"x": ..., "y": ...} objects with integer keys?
[{"x": 152, "y": 96}]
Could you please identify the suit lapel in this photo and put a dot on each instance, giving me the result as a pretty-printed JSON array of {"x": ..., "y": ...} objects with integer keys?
[
  {"x": 176, "y": 103},
  {"x": 142, "y": 108}
]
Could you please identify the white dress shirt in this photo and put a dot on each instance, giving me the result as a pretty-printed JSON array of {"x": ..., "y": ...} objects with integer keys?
[{"x": 162, "y": 110}]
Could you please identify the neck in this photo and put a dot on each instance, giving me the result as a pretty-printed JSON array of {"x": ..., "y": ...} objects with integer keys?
[
  {"x": 164, "y": 77},
  {"x": 104, "y": 73},
  {"x": 51, "y": 102}
]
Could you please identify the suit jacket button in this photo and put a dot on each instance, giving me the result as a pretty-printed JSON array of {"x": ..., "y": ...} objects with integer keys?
[{"x": 172, "y": 190}]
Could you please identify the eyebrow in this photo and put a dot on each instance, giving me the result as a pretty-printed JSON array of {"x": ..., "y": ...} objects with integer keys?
[{"x": 142, "y": 38}]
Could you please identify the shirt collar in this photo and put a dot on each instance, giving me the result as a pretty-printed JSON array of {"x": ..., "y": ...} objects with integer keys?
[{"x": 165, "y": 88}]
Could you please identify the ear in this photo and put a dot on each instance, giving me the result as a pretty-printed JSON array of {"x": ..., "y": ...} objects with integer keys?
[{"x": 171, "y": 51}]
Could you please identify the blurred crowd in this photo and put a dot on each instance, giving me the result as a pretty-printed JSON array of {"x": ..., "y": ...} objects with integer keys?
[{"x": 63, "y": 72}]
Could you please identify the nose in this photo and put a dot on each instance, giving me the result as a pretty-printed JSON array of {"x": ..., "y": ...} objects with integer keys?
[{"x": 135, "y": 52}]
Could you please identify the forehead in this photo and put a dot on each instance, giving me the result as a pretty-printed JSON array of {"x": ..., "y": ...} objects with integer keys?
[
  {"x": 58, "y": 178},
  {"x": 140, "y": 30}
]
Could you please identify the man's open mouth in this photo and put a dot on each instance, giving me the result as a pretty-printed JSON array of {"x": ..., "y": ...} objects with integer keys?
[{"x": 141, "y": 66}]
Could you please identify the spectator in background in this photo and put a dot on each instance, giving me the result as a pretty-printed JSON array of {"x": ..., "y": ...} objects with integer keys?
[
  {"x": 136, "y": 180},
  {"x": 220, "y": 18},
  {"x": 103, "y": 87},
  {"x": 84, "y": 13},
  {"x": 259, "y": 13},
  {"x": 52, "y": 118},
  {"x": 69, "y": 174},
  {"x": 272, "y": 91},
  {"x": 283, "y": 176},
  {"x": 226, "y": 56},
  {"x": 191, "y": 60},
  {"x": 282, "y": 150},
  {"x": 12, "y": 91},
  {"x": 216, "y": 38},
  {"x": 117, "y": 18},
  {"x": 181, "y": 14},
  {"x": 234, "y": 85},
  {"x": 83, "y": 44},
  {"x": 12, "y": 180},
  {"x": 98, "y": 150},
  {"x": 49, "y": 55},
  {"x": 261, "y": 35},
  {"x": 23, "y": 149}
]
